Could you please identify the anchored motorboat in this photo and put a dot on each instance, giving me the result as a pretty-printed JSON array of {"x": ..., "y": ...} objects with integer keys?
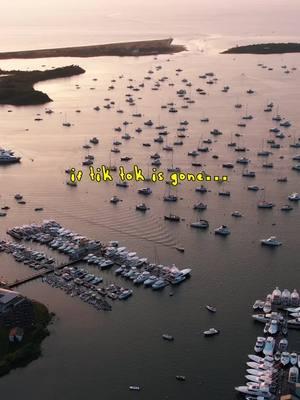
[
  {"x": 167, "y": 337},
  {"x": 211, "y": 308},
  {"x": 271, "y": 242},
  {"x": 211, "y": 332},
  {"x": 222, "y": 230},
  {"x": 201, "y": 224}
]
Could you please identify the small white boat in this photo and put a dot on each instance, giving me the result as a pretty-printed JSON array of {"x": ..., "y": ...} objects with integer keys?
[
  {"x": 285, "y": 358},
  {"x": 201, "y": 224},
  {"x": 165, "y": 336},
  {"x": 255, "y": 372},
  {"x": 293, "y": 375},
  {"x": 186, "y": 272},
  {"x": 255, "y": 391},
  {"x": 271, "y": 242},
  {"x": 294, "y": 197},
  {"x": 159, "y": 284},
  {"x": 254, "y": 188},
  {"x": 222, "y": 230},
  {"x": 211, "y": 308},
  {"x": 255, "y": 358},
  {"x": 293, "y": 358},
  {"x": 211, "y": 332},
  {"x": 259, "y": 345},
  {"x": 286, "y": 207},
  {"x": 122, "y": 184},
  {"x": 258, "y": 379},
  {"x": 273, "y": 329},
  {"x": 267, "y": 308},
  {"x": 236, "y": 214},
  {"x": 256, "y": 304},
  {"x": 200, "y": 206},
  {"x": 114, "y": 200},
  {"x": 141, "y": 207},
  {"x": 145, "y": 191},
  {"x": 269, "y": 346},
  {"x": 71, "y": 183},
  {"x": 259, "y": 366},
  {"x": 283, "y": 345},
  {"x": 265, "y": 204},
  {"x": 134, "y": 388},
  {"x": 293, "y": 310}
]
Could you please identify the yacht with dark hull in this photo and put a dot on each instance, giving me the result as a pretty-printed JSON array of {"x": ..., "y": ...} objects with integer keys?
[{"x": 8, "y": 157}]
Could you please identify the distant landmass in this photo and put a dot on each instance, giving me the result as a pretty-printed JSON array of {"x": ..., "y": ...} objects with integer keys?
[
  {"x": 139, "y": 48},
  {"x": 265, "y": 48},
  {"x": 16, "y": 87}
]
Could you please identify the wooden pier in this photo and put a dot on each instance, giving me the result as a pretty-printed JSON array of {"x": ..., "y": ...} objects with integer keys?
[{"x": 19, "y": 282}]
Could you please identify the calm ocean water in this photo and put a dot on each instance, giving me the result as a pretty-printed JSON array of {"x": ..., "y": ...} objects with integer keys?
[{"x": 92, "y": 353}]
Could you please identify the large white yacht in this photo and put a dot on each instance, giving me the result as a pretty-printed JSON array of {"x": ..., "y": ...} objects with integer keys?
[
  {"x": 255, "y": 391},
  {"x": 269, "y": 346},
  {"x": 273, "y": 329},
  {"x": 293, "y": 358},
  {"x": 255, "y": 358}
]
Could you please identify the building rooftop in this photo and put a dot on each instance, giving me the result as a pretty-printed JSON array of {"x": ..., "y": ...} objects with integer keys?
[{"x": 6, "y": 296}]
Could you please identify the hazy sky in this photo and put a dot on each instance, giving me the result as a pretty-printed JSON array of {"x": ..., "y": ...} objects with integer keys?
[
  {"x": 26, "y": 24},
  {"x": 86, "y": 12}
]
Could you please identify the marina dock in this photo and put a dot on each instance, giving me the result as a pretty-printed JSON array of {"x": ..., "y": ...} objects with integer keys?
[
  {"x": 19, "y": 282},
  {"x": 274, "y": 372},
  {"x": 78, "y": 280}
]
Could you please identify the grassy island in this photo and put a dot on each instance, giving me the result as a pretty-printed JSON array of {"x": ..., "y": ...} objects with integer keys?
[
  {"x": 15, "y": 355},
  {"x": 265, "y": 48},
  {"x": 139, "y": 48},
  {"x": 16, "y": 87}
]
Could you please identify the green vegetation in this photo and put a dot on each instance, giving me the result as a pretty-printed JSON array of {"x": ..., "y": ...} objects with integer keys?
[
  {"x": 15, "y": 355},
  {"x": 265, "y": 48},
  {"x": 16, "y": 87}
]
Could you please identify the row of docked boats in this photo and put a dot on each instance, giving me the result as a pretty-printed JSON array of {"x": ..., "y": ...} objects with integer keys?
[
  {"x": 141, "y": 272},
  {"x": 273, "y": 319},
  {"x": 288, "y": 302},
  {"x": 283, "y": 298},
  {"x": 272, "y": 367},
  {"x": 21, "y": 253},
  {"x": 268, "y": 367},
  {"x": 129, "y": 265},
  {"x": 53, "y": 235},
  {"x": 79, "y": 282}
]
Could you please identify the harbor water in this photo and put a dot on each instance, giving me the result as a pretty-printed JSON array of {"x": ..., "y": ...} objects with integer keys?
[{"x": 93, "y": 353}]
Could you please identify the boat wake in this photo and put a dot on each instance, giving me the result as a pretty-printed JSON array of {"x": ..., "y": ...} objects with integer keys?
[{"x": 126, "y": 223}]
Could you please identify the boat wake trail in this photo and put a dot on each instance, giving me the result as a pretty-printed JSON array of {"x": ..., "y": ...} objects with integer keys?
[{"x": 126, "y": 223}]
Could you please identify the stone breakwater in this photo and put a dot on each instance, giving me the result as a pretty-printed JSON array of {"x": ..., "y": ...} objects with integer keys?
[{"x": 138, "y": 48}]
